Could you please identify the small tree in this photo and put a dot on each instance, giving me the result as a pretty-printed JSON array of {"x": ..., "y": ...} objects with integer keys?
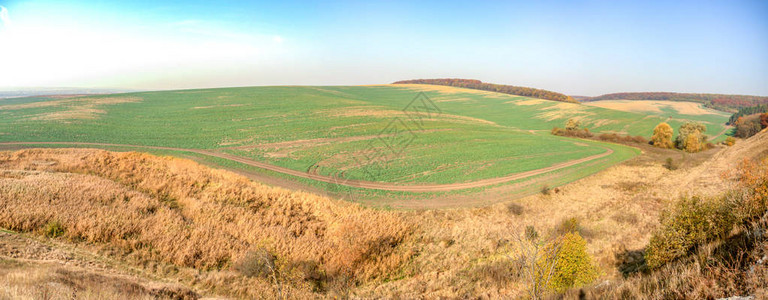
[
  {"x": 572, "y": 124},
  {"x": 730, "y": 141},
  {"x": 573, "y": 265},
  {"x": 669, "y": 163},
  {"x": 693, "y": 143},
  {"x": 686, "y": 131},
  {"x": 662, "y": 136},
  {"x": 260, "y": 263},
  {"x": 539, "y": 257}
]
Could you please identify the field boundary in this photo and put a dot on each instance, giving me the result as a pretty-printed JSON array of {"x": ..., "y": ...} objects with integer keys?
[{"x": 350, "y": 183}]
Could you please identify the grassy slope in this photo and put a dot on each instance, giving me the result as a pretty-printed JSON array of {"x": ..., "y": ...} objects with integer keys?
[{"x": 479, "y": 134}]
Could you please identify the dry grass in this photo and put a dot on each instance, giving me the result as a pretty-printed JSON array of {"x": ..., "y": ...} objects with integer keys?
[
  {"x": 25, "y": 280},
  {"x": 527, "y": 102},
  {"x": 30, "y": 269},
  {"x": 20, "y": 280},
  {"x": 175, "y": 211}
]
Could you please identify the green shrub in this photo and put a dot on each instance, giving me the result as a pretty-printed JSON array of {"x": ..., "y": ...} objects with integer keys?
[
  {"x": 572, "y": 225},
  {"x": 670, "y": 164},
  {"x": 546, "y": 190},
  {"x": 515, "y": 209},
  {"x": 691, "y": 222},
  {"x": 573, "y": 266},
  {"x": 53, "y": 229}
]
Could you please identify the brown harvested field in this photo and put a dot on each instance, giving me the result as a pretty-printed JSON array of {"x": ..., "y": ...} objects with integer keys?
[{"x": 168, "y": 218}]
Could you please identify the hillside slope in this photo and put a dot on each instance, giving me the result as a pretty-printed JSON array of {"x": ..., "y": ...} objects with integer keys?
[
  {"x": 183, "y": 218},
  {"x": 165, "y": 218}
]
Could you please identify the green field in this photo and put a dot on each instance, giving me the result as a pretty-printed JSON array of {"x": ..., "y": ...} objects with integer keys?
[
  {"x": 357, "y": 132},
  {"x": 675, "y": 112}
]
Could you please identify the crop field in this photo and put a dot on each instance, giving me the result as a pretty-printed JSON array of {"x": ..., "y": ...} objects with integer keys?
[
  {"x": 675, "y": 112},
  {"x": 384, "y": 134}
]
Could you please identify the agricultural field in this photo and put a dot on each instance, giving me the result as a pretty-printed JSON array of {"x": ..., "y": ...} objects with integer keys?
[
  {"x": 366, "y": 138},
  {"x": 676, "y": 112}
]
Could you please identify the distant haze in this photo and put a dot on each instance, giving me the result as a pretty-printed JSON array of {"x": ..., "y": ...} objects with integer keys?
[{"x": 573, "y": 47}]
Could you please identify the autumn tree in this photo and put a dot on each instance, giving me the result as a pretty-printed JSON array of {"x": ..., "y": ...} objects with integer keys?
[
  {"x": 662, "y": 136},
  {"x": 693, "y": 133},
  {"x": 693, "y": 143},
  {"x": 764, "y": 120},
  {"x": 572, "y": 124},
  {"x": 749, "y": 125}
]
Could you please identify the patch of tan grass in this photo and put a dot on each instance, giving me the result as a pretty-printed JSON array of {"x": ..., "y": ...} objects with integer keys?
[
  {"x": 216, "y": 106},
  {"x": 527, "y": 102},
  {"x": 74, "y": 108},
  {"x": 564, "y": 110},
  {"x": 654, "y": 106},
  {"x": 360, "y": 111},
  {"x": 443, "y": 89},
  {"x": 35, "y": 280}
]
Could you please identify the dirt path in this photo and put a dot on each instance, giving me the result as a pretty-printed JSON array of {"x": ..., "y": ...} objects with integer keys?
[
  {"x": 350, "y": 182},
  {"x": 721, "y": 133},
  {"x": 318, "y": 141}
]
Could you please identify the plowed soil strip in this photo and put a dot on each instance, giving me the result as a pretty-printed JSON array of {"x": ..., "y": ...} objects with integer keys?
[{"x": 350, "y": 182}]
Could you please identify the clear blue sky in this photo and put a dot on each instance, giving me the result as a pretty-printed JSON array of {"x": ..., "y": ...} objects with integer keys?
[{"x": 575, "y": 47}]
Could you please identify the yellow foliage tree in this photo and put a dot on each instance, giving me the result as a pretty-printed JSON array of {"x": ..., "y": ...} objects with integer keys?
[
  {"x": 571, "y": 264},
  {"x": 662, "y": 136},
  {"x": 572, "y": 124},
  {"x": 693, "y": 143},
  {"x": 686, "y": 131}
]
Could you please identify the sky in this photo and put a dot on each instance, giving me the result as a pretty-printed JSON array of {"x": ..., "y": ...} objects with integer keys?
[{"x": 575, "y": 47}]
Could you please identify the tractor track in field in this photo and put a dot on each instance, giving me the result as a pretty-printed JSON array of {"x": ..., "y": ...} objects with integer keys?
[
  {"x": 349, "y": 182},
  {"x": 727, "y": 127}
]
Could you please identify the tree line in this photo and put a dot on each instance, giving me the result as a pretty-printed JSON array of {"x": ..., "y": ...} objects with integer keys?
[
  {"x": 746, "y": 111},
  {"x": 730, "y": 103},
  {"x": 499, "y": 88}
]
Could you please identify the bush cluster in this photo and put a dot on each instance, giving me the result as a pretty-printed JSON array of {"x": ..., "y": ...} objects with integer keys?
[
  {"x": 581, "y": 133},
  {"x": 694, "y": 221},
  {"x": 616, "y": 138},
  {"x": 53, "y": 229}
]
